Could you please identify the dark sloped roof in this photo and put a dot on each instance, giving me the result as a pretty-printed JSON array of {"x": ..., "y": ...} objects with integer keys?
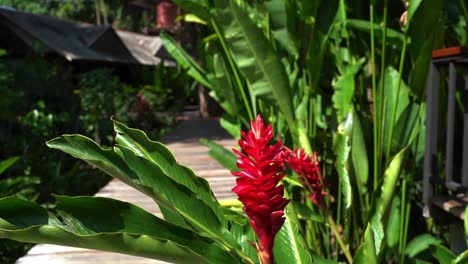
[{"x": 78, "y": 41}]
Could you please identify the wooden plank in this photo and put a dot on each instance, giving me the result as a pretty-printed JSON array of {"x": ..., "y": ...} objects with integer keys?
[{"x": 454, "y": 205}]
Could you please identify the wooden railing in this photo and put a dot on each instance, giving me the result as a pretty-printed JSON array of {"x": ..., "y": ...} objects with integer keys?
[{"x": 445, "y": 178}]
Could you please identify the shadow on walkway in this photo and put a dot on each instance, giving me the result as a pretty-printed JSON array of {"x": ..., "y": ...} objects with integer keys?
[{"x": 194, "y": 128}]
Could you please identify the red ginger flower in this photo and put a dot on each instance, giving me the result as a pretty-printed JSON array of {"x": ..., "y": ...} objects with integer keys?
[
  {"x": 307, "y": 167},
  {"x": 262, "y": 168}
]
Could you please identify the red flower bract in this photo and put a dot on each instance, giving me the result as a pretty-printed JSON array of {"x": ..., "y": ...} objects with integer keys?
[
  {"x": 308, "y": 169},
  {"x": 261, "y": 169}
]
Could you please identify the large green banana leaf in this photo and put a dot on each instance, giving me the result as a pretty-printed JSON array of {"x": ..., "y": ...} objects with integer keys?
[
  {"x": 376, "y": 225},
  {"x": 157, "y": 153},
  {"x": 184, "y": 59},
  {"x": 289, "y": 245},
  {"x": 108, "y": 225},
  {"x": 150, "y": 167},
  {"x": 255, "y": 56}
]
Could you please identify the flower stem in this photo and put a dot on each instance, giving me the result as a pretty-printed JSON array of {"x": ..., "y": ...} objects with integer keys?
[
  {"x": 343, "y": 246},
  {"x": 264, "y": 257}
]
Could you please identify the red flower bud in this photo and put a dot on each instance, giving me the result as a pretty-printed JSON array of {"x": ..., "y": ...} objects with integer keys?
[{"x": 261, "y": 167}]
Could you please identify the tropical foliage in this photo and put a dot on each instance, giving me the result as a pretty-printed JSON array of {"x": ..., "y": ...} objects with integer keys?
[
  {"x": 195, "y": 228},
  {"x": 345, "y": 79}
]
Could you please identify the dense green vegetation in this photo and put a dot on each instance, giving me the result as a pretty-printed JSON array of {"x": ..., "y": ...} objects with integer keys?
[
  {"x": 119, "y": 13},
  {"x": 41, "y": 98}
]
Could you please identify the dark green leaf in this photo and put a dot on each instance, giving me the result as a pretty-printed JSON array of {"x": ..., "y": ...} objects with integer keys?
[
  {"x": 365, "y": 26},
  {"x": 442, "y": 254}
]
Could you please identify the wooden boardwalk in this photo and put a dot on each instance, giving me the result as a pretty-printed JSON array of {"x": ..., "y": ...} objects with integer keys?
[{"x": 184, "y": 143}]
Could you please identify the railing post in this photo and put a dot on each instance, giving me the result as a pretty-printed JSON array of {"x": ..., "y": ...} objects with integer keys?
[
  {"x": 430, "y": 155},
  {"x": 465, "y": 134},
  {"x": 450, "y": 124}
]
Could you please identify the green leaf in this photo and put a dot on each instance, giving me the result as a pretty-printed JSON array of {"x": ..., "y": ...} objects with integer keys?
[
  {"x": 221, "y": 154},
  {"x": 359, "y": 155},
  {"x": 321, "y": 260},
  {"x": 344, "y": 90},
  {"x": 105, "y": 159},
  {"x": 244, "y": 234},
  {"x": 161, "y": 156},
  {"x": 465, "y": 224},
  {"x": 393, "y": 225},
  {"x": 151, "y": 168},
  {"x": 304, "y": 212},
  {"x": 173, "y": 195},
  {"x": 408, "y": 126},
  {"x": 231, "y": 125},
  {"x": 369, "y": 247},
  {"x": 200, "y": 8},
  {"x": 420, "y": 243},
  {"x": 255, "y": 56},
  {"x": 108, "y": 225},
  {"x": 277, "y": 14},
  {"x": 391, "y": 176},
  {"x": 289, "y": 246},
  {"x": 363, "y": 25},
  {"x": 462, "y": 258},
  {"x": 341, "y": 148},
  {"x": 442, "y": 254},
  {"x": 109, "y": 162},
  {"x": 427, "y": 34},
  {"x": 359, "y": 256},
  {"x": 184, "y": 59},
  {"x": 390, "y": 97},
  {"x": 5, "y": 164},
  {"x": 191, "y": 18},
  {"x": 223, "y": 87},
  {"x": 412, "y": 8}
]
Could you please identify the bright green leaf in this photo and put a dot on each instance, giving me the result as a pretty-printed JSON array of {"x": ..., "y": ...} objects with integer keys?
[
  {"x": 420, "y": 243},
  {"x": 5, "y": 164},
  {"x": 221, "y": 154},
  {"x": 107, "y": 225},
  {"x": 184, "y": 59},
  {"x": 255, "y": 56}
]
